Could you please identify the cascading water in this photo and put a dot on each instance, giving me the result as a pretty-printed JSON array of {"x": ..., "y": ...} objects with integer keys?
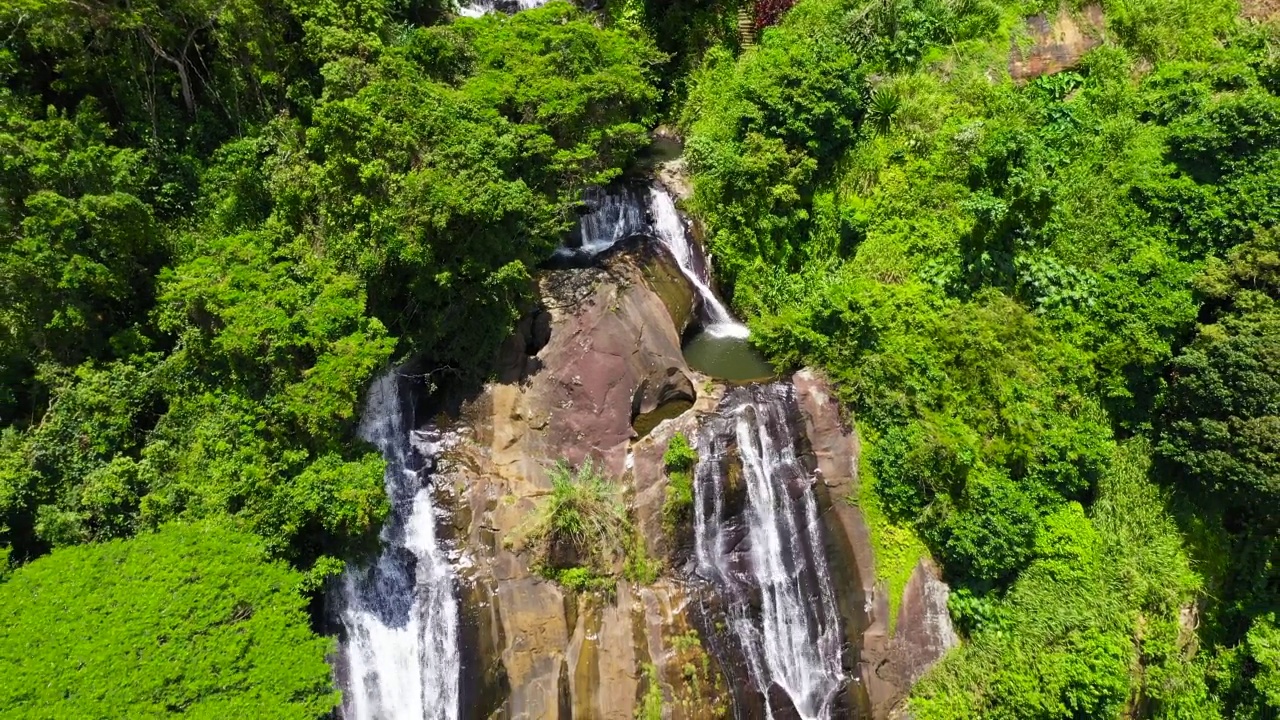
[
  {"x": 621, "y": 213},
  {"x": 614, "y": 216},
  {"x": 476, "y": 8},
  {"x": 401, "y": 616},
  {"x": 670, "y": 230},
  {"x": 766, "y": 558}
]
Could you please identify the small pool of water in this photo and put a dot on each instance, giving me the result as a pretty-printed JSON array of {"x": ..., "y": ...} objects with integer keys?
[
  {"x": 726, "y": 358},
  {"x": 663, "y": 148}
]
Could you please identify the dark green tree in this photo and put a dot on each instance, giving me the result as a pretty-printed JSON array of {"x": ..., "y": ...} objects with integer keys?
[{"x": 1221, "y": 422}]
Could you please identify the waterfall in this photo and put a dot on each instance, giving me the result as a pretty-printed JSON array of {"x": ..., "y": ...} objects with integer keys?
[
  {"x": 670, "y": 230},
  {"x": 766, "y": 558},
  {"x": 620, "y": 213},
  {"x": 613, "y": 216},
  {"x": 476, "y": 8},
  {"x": 401, "y": 616}
]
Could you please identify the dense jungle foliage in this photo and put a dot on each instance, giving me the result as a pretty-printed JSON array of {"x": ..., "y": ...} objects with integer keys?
[
  {"x": 1052, "y": 304},
  {"x": 218, "y": 220}
]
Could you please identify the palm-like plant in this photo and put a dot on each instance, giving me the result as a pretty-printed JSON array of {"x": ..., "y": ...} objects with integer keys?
[{"x": 883, "y": 108}]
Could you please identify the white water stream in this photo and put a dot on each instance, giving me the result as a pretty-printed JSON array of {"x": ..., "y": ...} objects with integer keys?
[
  {"x": 401, "y": 616},
  {"x": 671, "y": 231},
  {"x": 476, "y": 8},
  {"x": 792, "y": 637},
  {"x": 619, "y": 214}
]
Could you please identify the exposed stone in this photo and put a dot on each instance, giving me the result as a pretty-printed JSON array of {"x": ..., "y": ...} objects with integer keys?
[
  {"x": 603, "y": 348},
  {"x": 1057, "y": 43},
  {"x": 1260, "y": 10},
  {"x": 650, "y": 483},
  {"x": 924, "y": 632},
  {"x": 612, "y": 351},
  {"x": 863, "y": 604},
  {"x": 674, "y": 176},
  {"x": 886, "y": 666}
]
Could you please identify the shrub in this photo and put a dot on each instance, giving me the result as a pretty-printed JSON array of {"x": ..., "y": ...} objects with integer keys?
[
  {"x": 679, "y": 460},
  {"x": 192, "y": 620},
  {"x": 651, "y": 704},
  {"x": 579, "y": 579},
  {"x": 583, "y": 522}
]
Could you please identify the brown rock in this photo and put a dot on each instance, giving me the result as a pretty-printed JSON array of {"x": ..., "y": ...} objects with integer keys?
[
  {"x": 604, "y": 348},
  {"x": 887, "y": 667},
  {"x": 674, "y": 176},
  {"x": 1057, "y": 43},
  {"x": 924, "y": 632},
  {"x": 863, "y": 605},
  {"x": 1260, "y": 10},
  {"x": 649, "y": 478}
]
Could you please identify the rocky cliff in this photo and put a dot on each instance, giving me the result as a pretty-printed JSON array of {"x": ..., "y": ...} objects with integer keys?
[{"x": 597, "y": 372}]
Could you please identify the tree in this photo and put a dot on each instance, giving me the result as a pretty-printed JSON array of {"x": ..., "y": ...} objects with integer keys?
[
  {"x": 79, "y": 247},
  {"x": 191, "y": 620},
  {"x": 1221, "y": 423}
]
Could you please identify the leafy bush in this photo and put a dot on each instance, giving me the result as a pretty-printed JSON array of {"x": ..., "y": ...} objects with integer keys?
[
  {"x": 1061, "y": 643},
  {"x": 192, "y": 620},
  {"x": 580, "y": 579},
  {"x": 998, "y": 278},
  {"x": 679, "y": 460}
]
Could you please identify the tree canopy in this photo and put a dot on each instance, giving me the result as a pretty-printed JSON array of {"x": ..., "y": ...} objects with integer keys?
[
  {"x": 192, "y": 620},
  {"x": 1048, "y": 299}
]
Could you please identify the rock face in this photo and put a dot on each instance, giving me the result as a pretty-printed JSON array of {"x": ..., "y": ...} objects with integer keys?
[
  {"x": 599, "y": 357},
  {"x": 887, "y": 666},
  {"x": 597, "y": 372},
  {"x": 1260, "y": 10},
  {"x": 1058, "y": 42},
  {"x": 924, "y": 631}
]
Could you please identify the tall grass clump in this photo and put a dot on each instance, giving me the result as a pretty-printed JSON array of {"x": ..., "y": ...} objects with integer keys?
[{"x": 582, "y": 523}]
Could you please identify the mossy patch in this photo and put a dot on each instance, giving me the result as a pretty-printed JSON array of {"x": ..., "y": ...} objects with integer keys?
[{"x": 897, "y": 548}]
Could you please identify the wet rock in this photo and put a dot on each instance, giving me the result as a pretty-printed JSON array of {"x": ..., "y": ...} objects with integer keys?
[
  {"x": 863, "y": 605},
  {"x": 674, "y": 176}
]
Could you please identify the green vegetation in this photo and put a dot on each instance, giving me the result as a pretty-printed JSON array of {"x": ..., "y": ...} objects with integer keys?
[
  {"x": 1102, "y": 589},
  {"x": 679, "y": 461},
  {"x": 198, "y": 282},
  {"x": 651, "y": 703},
  {"x": 897, "y": 548},
  {"x": 219, "y": 220},
  {"x": 192, "y": 620},
  {"x": 1038, "y": 298},
  {"x": 1052, "y": 303},
  {"x": 581, "y": 535},
  {"x": 703, "y": 688}
]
